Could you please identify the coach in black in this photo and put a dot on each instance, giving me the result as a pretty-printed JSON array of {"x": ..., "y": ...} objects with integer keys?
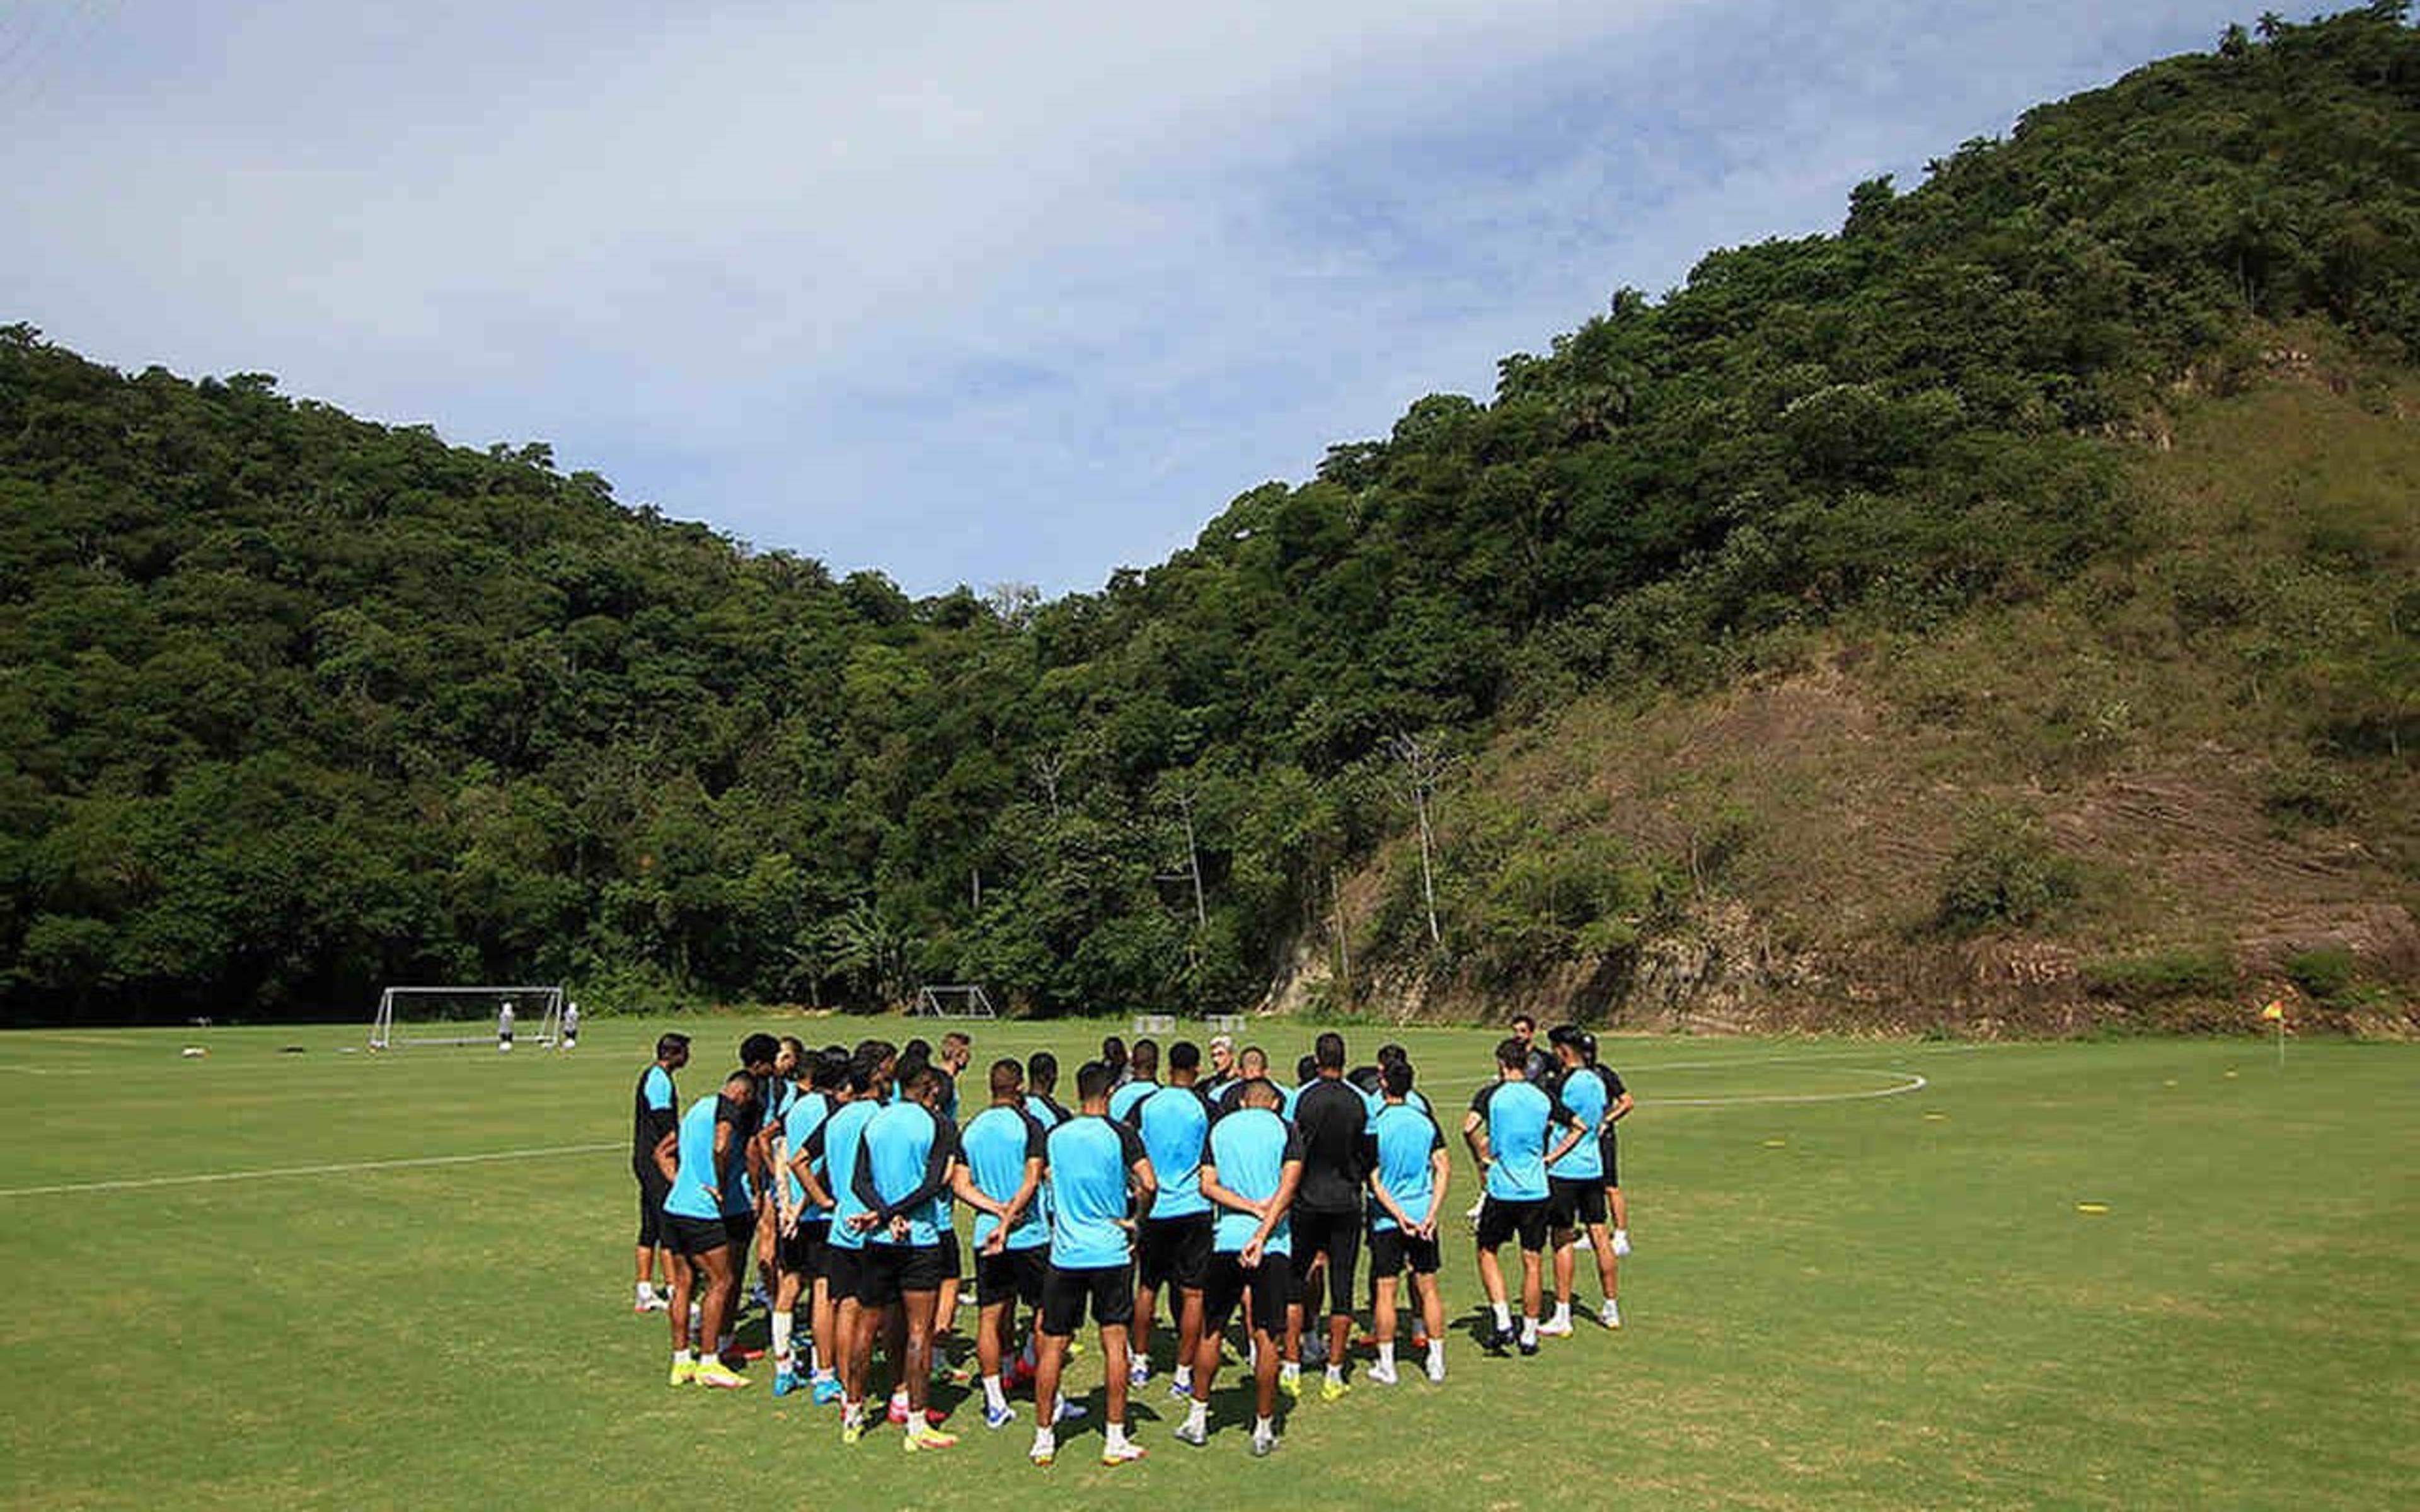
[{"x": 1330, "y": 1117}]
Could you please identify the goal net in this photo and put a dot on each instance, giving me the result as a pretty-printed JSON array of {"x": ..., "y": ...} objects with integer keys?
[
  {"x": 465, "y": 1015},
  {"x": 962, "y": 1001}
]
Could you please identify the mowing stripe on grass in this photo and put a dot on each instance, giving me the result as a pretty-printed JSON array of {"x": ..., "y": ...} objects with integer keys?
[{"x": 209, "y": 1177}]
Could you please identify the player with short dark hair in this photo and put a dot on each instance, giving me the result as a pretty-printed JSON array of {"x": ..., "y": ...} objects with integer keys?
[
  {"x": 700, "y": 1159},
  {"x": 1113, "y": 1054},
  {"x": 1251, "y": 1170},
  {"x": 1252, "y": 1065},
  {"x": 911, "y": 1157},
  {"x": 1506, "y": 1129},
  {"x": 760, "y": 1058},
  {"x": 1327, "y": 1211},
  {"x": 655, "y": 1113},
  {"x": 835, "y": 1150},
  {"x": 1003, "y": 1146},
  {"x": 1581, "y": 1182},
  {"x": 1409, "y": 1169},
  {"x": 1173, "y": 1249},
  {"x": 1142, "y": 1079},
  {"x": 802, "y": 1228},
  {"x": 1041, "y": 1082},
  {"x": 1100, "y": 1182},
  {"x": 1537, "y": 1066}
]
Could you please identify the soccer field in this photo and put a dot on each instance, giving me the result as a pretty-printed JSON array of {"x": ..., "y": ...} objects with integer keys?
[{"x": 1862, "y": 1278}]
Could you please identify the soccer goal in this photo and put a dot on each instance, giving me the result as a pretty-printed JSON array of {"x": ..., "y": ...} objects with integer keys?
[
  {"x": 963, "y": 1000},
  {"x": 465, "y": 1015}
]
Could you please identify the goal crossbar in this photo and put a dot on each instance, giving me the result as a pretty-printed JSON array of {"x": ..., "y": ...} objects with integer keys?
[
  {"x": 954, "y": 1000},
  {"x": 389, "y": 1031}
]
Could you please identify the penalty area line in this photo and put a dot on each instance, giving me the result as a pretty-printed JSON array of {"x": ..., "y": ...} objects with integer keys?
[{"x": 208, "y": 1178}]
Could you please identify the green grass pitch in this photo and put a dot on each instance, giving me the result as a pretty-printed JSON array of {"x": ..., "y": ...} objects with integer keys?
[{"x": 1856, "y": 1300}]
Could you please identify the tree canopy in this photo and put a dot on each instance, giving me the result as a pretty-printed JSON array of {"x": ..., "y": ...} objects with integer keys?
[{"x": 293, "y": 704}]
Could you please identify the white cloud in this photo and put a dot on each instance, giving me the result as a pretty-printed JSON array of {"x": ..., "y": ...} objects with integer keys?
[{"x": 978, "y": 290}]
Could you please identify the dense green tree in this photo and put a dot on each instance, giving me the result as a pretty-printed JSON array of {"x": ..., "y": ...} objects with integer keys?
[{"x": 292, "y": 704}]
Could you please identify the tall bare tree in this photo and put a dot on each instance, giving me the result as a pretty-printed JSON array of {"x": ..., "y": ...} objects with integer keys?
[{"x": 1424, "y": 765}]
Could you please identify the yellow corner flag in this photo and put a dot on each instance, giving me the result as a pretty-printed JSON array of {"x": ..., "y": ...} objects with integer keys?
[{"x": 2275, "y": 1012}]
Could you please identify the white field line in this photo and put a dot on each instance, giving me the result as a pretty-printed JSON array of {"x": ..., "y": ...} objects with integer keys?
[
  {"x": 1912, "y": 1083},
  {"x": 208, "y": 1178}
]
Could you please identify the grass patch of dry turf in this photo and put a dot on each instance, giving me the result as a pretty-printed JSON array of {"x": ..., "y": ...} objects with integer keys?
[{"x": 1862, "y": 1300}]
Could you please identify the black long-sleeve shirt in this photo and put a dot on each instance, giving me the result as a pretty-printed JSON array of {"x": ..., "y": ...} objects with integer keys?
[{"x": 1331, "y": 1117}]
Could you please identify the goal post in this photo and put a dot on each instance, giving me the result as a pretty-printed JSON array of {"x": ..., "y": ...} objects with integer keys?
[
  {"x": 465, "y": 1015},
  {"x": 954, "y": 1000}
]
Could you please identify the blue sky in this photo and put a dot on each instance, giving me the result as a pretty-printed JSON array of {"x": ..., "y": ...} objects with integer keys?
[{"x": 964, "y": 292}]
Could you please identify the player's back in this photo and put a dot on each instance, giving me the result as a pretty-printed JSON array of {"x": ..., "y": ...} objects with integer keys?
[
  {"x": 1405, "y": 1138},
  {"x": 899, "y": 1142},
  {"x": 1250, "y": 1147},
  {"x": 1173, "y": 1123},
  {"x": 997, "y": 1144},
  {"x": 806, "y": 1115},
  {"x": 1331, "y": 1117},
  {"x": 844, "y": 1139},
  {"x": 1517, "y": 1114},
  {"x": 695, "y": 1193},
  {"x": 1089, "y": 1158},
  {"x": 1584, "y": 1092}
]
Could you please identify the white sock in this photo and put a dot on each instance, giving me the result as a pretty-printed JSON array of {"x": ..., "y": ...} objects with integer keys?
[
  {"x": 684, "y": 1357},
  {"x": 1436, "y": 1351},
  {"x": 1335, "y": 1373},
  {"x": 1114, "y": 1436},
  {"x": 1622, "y": 1236},
  {"x": 1197, "y": 1417},
  {"x": 1045, "y": 1439},
  {"x": 1387, "y": 1354},
  {"x": 899, "y": 1397},
  {"x": 1529, "y": 1330},
  {"x": 816, "y": 1359},
  {"x": 1503, "y": 1315},
  {"x": 781, "y": 1353},
  {"x": 1184, "y": 1378},
  {"x": 647, "y": 1291},
  {"x": 1264, "y": 1427},
  {"x": 1562, "y": 1313},
  {"x": 1289, "y": 1371},
  {"x": 994, "y": 1398}
]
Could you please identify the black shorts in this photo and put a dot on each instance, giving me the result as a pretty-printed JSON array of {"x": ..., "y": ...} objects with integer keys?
[
  {"x": 887, "y": 1272},
  {"x": 653, "y": 1189},
  {"x": 741, "y": 1227},
  {"x": 954, "y": 1263},
  {"x": 1109, "y": 1289},
  {"x": 844, "y": 1271},
  {"x": 1393, "y": 1252},
  {"x": 1500, "y": 1219},
  {"x": 1336, "y": 1235},
  {"x": 1572, "y": 1201},
  {"x": 1013, "y": 1275},
  {"x": 1177, "y": 1250},
  {"x": 693, "y": 1237},
  {"x": 1612, "y": 1169},
  {"x": 802, "y": 1252},
  {"x": 1270, "y": 1284}
]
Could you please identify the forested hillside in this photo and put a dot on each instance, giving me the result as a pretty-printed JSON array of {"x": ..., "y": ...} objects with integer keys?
[{"x": 292, "y": 704}]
